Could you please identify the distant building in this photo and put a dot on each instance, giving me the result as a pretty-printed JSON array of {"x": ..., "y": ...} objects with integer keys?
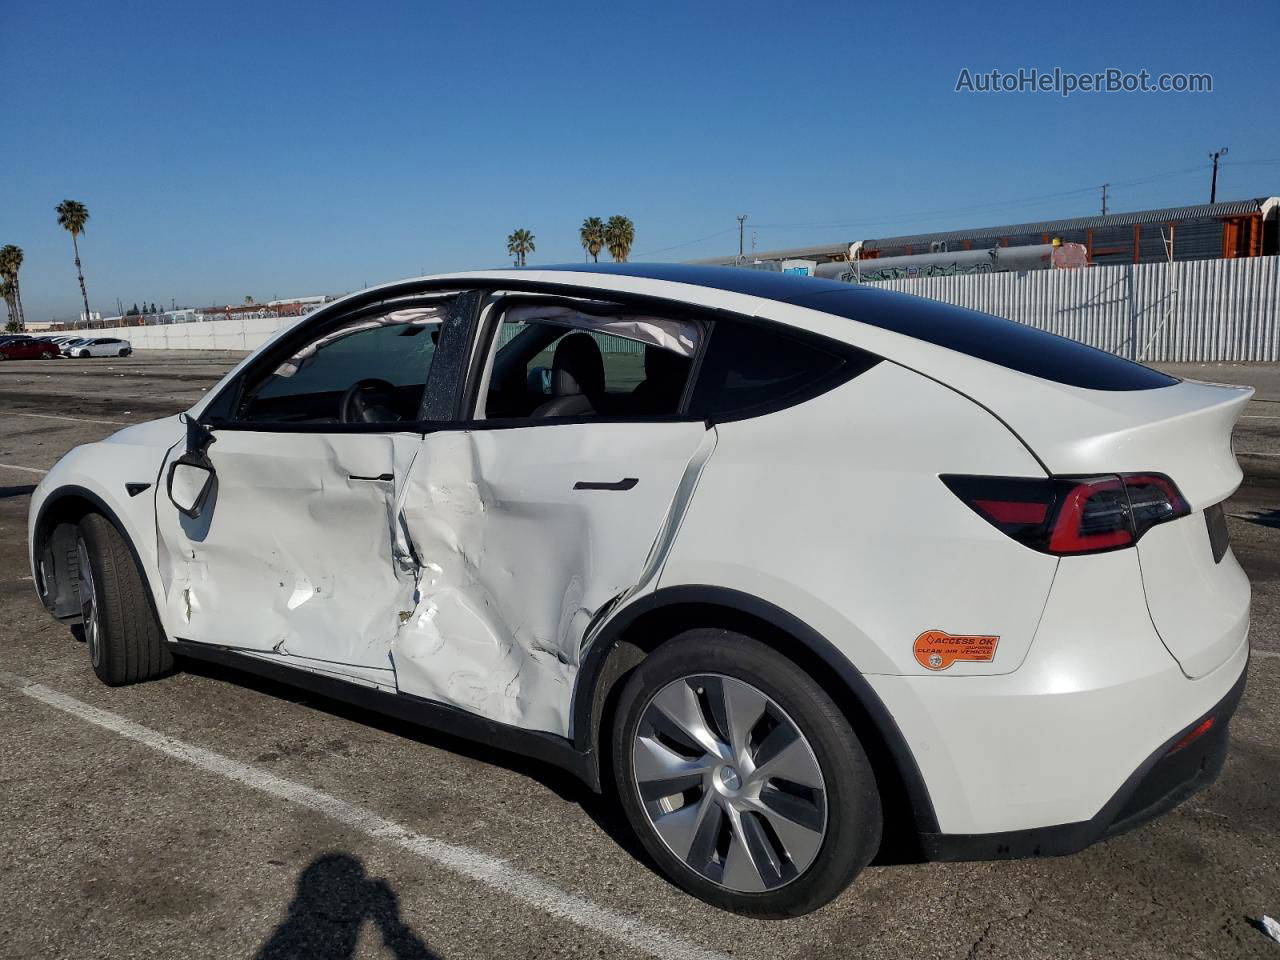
[{"x": 1210, "y": 231}]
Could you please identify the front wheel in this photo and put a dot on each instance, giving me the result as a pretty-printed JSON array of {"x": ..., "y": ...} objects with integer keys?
[
  {"x": 742, "y": 778},
  {"x": 126, "y": 644}
]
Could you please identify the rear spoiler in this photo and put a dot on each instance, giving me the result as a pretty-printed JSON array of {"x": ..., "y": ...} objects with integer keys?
[{"x": 1182, "y": 431}]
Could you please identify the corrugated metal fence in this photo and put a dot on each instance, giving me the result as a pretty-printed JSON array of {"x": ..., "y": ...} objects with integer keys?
[{"x": 1200, "y": 310}]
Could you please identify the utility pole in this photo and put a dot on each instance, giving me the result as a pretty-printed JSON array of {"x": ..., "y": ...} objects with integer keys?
[
  {"x": 741, "y": 224},
  {"x": 1104, "y": 198},
  {"x": 1213, "y": 184}
]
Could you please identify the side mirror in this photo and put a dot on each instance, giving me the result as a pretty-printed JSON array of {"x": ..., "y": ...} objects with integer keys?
[
  {"x": 540, "y": 381},
  {"x": 190, "y": 481}
]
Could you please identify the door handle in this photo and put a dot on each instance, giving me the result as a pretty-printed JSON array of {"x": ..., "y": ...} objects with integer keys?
[
  {"x": 384, "y": 477},
  {"x": 624, "y": 484}
]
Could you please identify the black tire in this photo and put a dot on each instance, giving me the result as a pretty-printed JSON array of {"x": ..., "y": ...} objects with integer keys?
[
  {"x": 126, "y": 644},
  {"x": 852, "y": 800}
]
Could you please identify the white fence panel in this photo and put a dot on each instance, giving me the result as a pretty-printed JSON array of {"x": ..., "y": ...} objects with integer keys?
[{"x": 1198, "y": 310}]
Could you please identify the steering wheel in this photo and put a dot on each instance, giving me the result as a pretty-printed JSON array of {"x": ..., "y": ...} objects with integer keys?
[{"x": 368, "y": 401}]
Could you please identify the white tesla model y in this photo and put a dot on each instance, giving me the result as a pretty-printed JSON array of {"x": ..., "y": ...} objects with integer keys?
[{"x": 787, "y": 565}]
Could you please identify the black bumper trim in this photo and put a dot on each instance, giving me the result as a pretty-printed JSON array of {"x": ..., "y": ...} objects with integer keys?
[{"x": 1163, "y": 781}]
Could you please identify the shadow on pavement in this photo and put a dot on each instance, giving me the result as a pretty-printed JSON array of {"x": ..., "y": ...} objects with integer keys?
[
  {"x": 19, "y": 491},
  {"x": 333, "y": 900},
  {"x": 1269, "y": 518},
  {"x": 603, "y": 810}
]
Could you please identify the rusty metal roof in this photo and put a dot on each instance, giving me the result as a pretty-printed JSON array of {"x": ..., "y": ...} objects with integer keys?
[{"x": 1231, "y": 208}]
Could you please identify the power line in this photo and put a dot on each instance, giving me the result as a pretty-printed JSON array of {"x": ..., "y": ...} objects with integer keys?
[
  {"x": 980, "y": 207},
  {"x": 688, "y": 243},
  {"x": 952, "y": 211}
]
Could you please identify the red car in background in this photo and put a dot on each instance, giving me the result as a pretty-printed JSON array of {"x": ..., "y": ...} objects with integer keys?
[{"x": 26, "y": 348}]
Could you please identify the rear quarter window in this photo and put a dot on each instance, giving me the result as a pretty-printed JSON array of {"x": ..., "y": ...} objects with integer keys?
[
  {"x": 751, "y": 369},
  {"x": 986, "y": 337}
]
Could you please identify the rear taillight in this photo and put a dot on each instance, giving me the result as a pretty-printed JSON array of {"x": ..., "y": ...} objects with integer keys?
[{"x": 1072, "y": 515}]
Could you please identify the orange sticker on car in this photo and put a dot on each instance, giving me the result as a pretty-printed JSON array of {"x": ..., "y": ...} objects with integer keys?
[{"x": 936, "y": 650}]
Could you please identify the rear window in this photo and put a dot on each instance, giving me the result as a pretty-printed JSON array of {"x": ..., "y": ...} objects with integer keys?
[
  {"x": 1009, "y": 344},
  {"x": 751, "y": 368}
]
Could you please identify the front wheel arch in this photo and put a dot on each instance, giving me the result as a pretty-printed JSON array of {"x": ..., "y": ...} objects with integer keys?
[
  {"x": 54, "y": 533},
  {"x": 650, "y": 622}
]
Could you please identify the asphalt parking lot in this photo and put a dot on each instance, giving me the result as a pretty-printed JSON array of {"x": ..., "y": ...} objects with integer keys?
[{"x": 211, "y": 814}]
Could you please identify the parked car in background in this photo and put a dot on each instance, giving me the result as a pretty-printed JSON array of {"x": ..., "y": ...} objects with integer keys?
[
  {"x": 26, "y": 348},
  {"x": 59, "y": 340},
  {"x": 97, "y": 347},
  {"x": 785, "y": 560}
]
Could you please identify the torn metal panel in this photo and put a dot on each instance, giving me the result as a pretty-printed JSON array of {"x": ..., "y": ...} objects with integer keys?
[
  {"x": 293, "y": 554},
  {"x": 514, "y": 563}
]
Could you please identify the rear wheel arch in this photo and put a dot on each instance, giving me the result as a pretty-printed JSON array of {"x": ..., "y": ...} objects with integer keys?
[{"x": 652, "y": 621}]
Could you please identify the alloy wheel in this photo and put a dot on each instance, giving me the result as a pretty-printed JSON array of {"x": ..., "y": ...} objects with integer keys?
[
  {"x": 89, "y": 605},
  {"x": 729, "y": 783}
]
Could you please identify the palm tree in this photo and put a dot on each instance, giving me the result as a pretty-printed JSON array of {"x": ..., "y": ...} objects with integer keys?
[
  {"x": 619, "y": 235},
  {"x": 6, "y": 291},
  {"x": 591, "y": 235},
  {"x": 10, "y": 264},
  {"x": 520, "y": 245},
  {"x": 72, "y": 216}
]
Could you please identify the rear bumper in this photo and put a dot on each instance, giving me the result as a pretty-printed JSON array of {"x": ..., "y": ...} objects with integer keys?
[{"x": 1167, "y": 778}]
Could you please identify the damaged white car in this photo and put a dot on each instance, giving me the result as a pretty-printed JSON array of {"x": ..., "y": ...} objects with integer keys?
[{"x": 791, "y": 565}]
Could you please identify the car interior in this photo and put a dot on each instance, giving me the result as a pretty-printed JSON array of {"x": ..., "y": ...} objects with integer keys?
[
  {"x": 548, "y": 359},
  {"x": 372, "y": 370},
  {"x": 587, "y": 360}
]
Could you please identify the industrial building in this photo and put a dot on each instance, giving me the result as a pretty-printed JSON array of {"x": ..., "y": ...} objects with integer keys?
[{"x": 1209, "y": 231}]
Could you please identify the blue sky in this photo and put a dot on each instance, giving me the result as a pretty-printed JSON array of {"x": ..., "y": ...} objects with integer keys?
[{"x": 278, "y": 149}]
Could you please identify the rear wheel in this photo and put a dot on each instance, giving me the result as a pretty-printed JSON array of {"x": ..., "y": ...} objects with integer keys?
[
  {"x": 126, "y": 644},
  {"x": 742, "y": 778}
]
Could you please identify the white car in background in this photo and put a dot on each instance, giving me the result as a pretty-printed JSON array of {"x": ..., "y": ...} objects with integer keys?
[
  {"x": 794, "y": 565},
  {"x": 97, "y": 347}
]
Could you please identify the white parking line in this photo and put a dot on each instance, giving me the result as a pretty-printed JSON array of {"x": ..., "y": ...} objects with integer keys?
[
  {"x": 14, "y": 466},
  {"x": 123, "y": 423},
  {"x": 1257, "y": 416},
  {"x": 462, "y": 860},
  {"x": 1265, "y": 654}
]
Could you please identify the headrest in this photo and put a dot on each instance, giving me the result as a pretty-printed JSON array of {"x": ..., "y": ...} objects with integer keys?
[{"x": 577, "y": 367}]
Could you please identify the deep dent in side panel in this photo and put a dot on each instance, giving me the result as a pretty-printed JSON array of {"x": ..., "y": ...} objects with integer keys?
[
  {"x": 509, "y": 586},
  {"x": 464, "y": 638}
]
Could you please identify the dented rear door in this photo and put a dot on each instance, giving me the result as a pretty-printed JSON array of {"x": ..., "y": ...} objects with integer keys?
[{"x": 524, "y": 536}]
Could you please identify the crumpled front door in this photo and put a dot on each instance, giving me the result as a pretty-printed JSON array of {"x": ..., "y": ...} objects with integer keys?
[{"x": 295, "y": 552}]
